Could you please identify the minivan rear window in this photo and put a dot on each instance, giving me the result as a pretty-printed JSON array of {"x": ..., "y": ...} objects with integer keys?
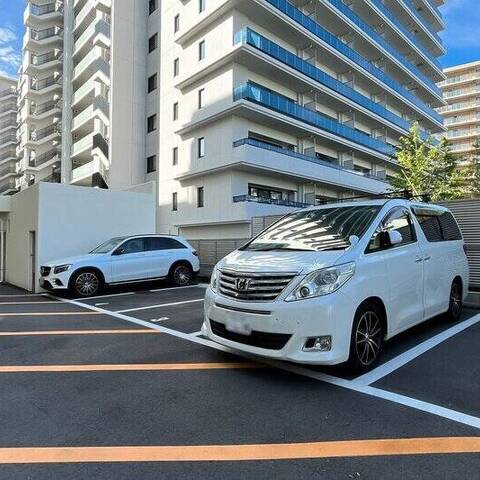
[
  {"x": 316, "y": 230},
  {"x": 438, "y": 226}
]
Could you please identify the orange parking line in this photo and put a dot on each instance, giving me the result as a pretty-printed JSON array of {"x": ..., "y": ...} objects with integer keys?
[
  {"x": 128, "y": 367},
  {"x": 77, "y": 332},
  {"x": 16, "y": 314},
  {"x": 210, "y": 453}
]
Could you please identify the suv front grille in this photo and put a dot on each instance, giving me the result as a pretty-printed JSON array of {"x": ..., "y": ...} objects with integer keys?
[
  {"x": 260, "y": 287},
  {"x": 270, "y": 341},
  {"x": 45, "y": 271}
]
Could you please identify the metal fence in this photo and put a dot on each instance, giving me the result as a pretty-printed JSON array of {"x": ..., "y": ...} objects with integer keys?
[{"x": 467, "y": 213}]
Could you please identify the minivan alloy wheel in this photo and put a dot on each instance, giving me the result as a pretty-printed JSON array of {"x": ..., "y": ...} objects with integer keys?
[
  {"x": 368, "y": 338},
  {"x": 455, "y": 300},
  {"x": 87, "y": 283}
]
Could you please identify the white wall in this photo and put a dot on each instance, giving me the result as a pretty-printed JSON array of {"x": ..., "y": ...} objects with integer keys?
[{"x": 69, "y": 221}]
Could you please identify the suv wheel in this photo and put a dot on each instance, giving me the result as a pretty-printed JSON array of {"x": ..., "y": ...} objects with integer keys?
[
  {"x": 181, "y": 275},
  {"x": 367, "y": 338},
  {"x": 455, "y": 304},
  {"x": 87, "y": 283}
]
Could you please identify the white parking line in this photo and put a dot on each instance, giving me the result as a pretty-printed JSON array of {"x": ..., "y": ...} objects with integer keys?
[
  {"x": 201, "y": 285},
  {"x": 104, "y": 296},
  {"x": 161, "y": 319},
  {"x": 148, "y": 307},
  {"x": 397, "y": 362},
  {"x": 431, "y": 408}
]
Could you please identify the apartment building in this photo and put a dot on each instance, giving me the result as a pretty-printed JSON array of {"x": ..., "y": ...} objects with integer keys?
[
  {"x": 271, "y": 105},
  {"x": 82, "y": 93},
  {"x": 8, "y": 141},
  {"x": 461, "y": 91}
]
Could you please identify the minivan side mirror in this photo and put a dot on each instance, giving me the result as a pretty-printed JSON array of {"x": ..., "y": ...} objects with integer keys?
[
  {"x": 119, "y": 251},
  {"x": 394, "y": 237}
]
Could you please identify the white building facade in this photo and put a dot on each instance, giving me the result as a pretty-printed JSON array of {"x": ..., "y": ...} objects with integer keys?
[{"x": 269, "y": 105}]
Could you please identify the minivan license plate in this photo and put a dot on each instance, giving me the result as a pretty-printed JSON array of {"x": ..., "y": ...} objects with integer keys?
[{"x": 241, "y": 327}]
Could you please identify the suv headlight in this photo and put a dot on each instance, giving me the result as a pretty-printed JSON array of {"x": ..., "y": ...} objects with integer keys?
[
  {"x": 213, "y": 279},
  {"x": 61, "y": 268},
  {"x": 322, "y": 282}
]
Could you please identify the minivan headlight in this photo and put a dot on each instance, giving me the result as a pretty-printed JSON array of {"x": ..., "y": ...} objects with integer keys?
[
  {"x": 61, "y": 268},
  {"x": 213, "y": 279},
  {"x": 322, "y": 282}
]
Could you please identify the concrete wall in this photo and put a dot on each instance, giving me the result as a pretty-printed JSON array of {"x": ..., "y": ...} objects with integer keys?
[{"x": 69, "y": 221}]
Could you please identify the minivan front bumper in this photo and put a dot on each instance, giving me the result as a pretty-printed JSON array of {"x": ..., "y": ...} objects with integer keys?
[{"x": 281, "y": 329}]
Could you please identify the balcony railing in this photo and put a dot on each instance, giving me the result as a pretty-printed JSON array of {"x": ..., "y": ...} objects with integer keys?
[
  {"x": 459, "y": 106},
  {"x": 378, "y": 39},
  {"x": 463, "y": 133},
  {"x": 7, "y": 171},
  {"x": 7, "y": 186},
  {"x": 413, "y": 9},
  {"x": 394, "y": 19},
  {"x": 36, "y": 161},
  {"x": 53, "y": 178},
  {"x": 462, "y": 119},
  {"x": 43, "y": 107},
  {"x": 295, "y": 14},
  {"x": 461, "y": 78},
  {"x": 8, "y": 91},
  {"x": 274, "y": 101},
  {"x": 9, "y": 122},
  {"x": 38, "y": 60},
  {"x": 46, "y": 33},
  {"x": 301, "y": 156},
  {"x": 45, "y": 83},
  {"x": 8, "y": 107},
  {"x": 252, "y": 38},
  {"x": 270, "y": 201},
  {"x": 8, "y": 154},
  {"x": 39, "y": 10},
  {"x": 461, "y": 91},
  {"x": 37, "y": 135},
  {"x": 8, "y": 138}
]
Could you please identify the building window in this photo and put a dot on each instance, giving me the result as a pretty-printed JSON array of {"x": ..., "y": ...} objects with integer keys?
[
  {"x": 201, "y": 96},
  {"x": 152, "y": 83},
  {"x": 201, "y": 5},
  {"x": 174, "y": 201},
  {"x": 151, "y": 123},
  {"x": 201, "y": 50},
  {"x": 151, "y": 164},
  {"x": 201, "y": 147},
  {"x": 175, "y": 156},
  {"x": 152, "y": 6},
  {"x": 200, "y": 197},
  {"x": 176, "y": 67},
  {"x": 152, "y": 43},
  {"x": 175, "y": 111},
  {"x": 176, "y": 23}
]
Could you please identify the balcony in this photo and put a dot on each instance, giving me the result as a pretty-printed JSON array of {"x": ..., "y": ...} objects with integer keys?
[
  {"x": 8, "y": 108},
  {"x": 97, "y": 33},
  {"x": 8, "y": 123},
  {"x": 471, "y": 77},
  {"x": 52, "y": 33},
  {"x": 8, "y": 187},
  {"x": 270, "y": 201},
  {"x": 465, "y": 133},
  {"x": 7, "y": 171},
  {"x": 249, "y": 37},
  {"x": 41, "y": 86},
  {"x": 44, "y": 134},
  {"x": 96, "y": 60},
  {"x": 43, "y": 12},
  {"x": 8, "y": 92},
  {"x": 41, "y": 111},
  {"x": 85, "y": 119},
  {"x": 286, "y": 106},
  {"x": 55, "y": 177},
  {"x": 8, "y": 155},
  {"x": 460, "y": 106},
  {"x": 428, "y": 27},
  {"x": 461, "y": 92},
  {"x": 377, "y": 40},
  {"x": 44, "y": 159},
  {"x": 44, "y": 61},
  {"x": 344, "y": 50},
  {"x": 8, "y": 139}
]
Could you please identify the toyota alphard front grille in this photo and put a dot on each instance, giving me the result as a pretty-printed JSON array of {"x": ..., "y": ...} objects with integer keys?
[{"x": 260, "y": 287}]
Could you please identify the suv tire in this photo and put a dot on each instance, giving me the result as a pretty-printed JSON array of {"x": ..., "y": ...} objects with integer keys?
[
  {"x": 87, "y": 283},
  {"x": 181, "y": 274}
]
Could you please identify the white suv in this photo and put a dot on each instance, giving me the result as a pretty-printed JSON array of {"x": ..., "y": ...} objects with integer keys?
[
  {"x": 123, "y": 260},
  {"x": 329, "y": 284}
]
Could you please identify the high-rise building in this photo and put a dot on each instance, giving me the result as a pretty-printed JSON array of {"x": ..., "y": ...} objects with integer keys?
[
  {"x": 269, "y": 105},
  {"x": 8, "y": 140},
  {"x": 461, "y": 91}
]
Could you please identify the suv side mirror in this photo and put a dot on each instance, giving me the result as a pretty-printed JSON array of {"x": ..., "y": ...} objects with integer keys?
[
  {"x": 394, "y": 237},
  {"x": 119, "y": 251}
]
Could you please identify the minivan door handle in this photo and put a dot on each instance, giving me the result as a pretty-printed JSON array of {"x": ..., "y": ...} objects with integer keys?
[
  {"x": 427, "y": 258},
  {"x": 419, "y": 259}
]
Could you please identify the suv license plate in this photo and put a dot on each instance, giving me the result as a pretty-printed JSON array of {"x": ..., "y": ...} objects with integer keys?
[{"x": 242, "y": 328}]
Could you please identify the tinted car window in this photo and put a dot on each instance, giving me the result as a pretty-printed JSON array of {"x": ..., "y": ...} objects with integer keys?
[
  {"x": 450, "y": 230},
  {"x": 158, "y": 243},
  {"x": 398, "y": 220},
  {"x": 431, "y": 227},
  {"x": 135, "y": 245}
]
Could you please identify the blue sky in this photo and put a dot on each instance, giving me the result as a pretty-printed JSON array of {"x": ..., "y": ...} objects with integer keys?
[{"x": 461, "y": 37}]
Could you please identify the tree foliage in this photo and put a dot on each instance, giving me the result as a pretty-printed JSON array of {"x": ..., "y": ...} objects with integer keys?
[{"x": 430, "y": 168}]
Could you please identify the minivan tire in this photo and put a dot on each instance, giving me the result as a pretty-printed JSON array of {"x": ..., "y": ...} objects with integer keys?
[
  {"x": 455, "y": 303},
  {"x": 366, "y": 342},
  {"x": 86, "y": 283},
  {"x": 181, "y": 274}
]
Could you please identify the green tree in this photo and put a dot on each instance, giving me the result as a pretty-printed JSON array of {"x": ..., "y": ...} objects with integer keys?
[
  {"x": 428, "y": 167},
  {"x": 474, "y": 171}
]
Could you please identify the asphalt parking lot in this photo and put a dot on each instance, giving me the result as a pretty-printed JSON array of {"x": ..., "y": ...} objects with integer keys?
[{"x": 123, "y": 386}]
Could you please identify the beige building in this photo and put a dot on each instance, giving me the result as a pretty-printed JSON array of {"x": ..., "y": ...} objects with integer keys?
[{"x": 461, "y": 91}]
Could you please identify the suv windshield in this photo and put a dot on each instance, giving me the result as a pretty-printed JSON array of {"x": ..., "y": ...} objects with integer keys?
[
  {"x": 316, "y": 230},
  {"x": 105, "y": 247}
]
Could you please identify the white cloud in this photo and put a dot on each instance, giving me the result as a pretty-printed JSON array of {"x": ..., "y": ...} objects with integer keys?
[
  {"x": 7, "y": 35},
  {"x": 10, "y": 58}
]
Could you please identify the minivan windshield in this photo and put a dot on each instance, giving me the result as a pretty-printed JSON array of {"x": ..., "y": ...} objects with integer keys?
[
  {"x": 316, "y": 230},
  {"x": 105, "y": 247}
]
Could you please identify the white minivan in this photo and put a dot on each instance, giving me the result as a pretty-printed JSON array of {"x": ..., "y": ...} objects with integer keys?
[{"x": 327, "y": 285}]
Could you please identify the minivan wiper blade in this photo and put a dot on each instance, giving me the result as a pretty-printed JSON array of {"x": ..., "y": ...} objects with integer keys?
[{"x": 281, "y": 249}]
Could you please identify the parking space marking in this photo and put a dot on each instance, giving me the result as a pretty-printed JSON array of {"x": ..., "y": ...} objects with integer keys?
[
  {"x": 78, "y": 332},
  {"x": 159, "y": 305},
  {"x": 201, "y": 285},
  {"x": 406, "y": 357},
  {"x": 161, "y": 319},
  {"x": 46, "y": 314},
  {"x": 105, "y": 296},
  {"x": 44, "y": 302},
  {"x": 339, "y": 382},
  {"x": 130, "y": 367},
  {"x": 242, "y": 452}
]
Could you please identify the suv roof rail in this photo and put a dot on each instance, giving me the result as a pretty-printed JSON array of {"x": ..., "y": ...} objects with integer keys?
[{"x": 398, "y": 194}]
